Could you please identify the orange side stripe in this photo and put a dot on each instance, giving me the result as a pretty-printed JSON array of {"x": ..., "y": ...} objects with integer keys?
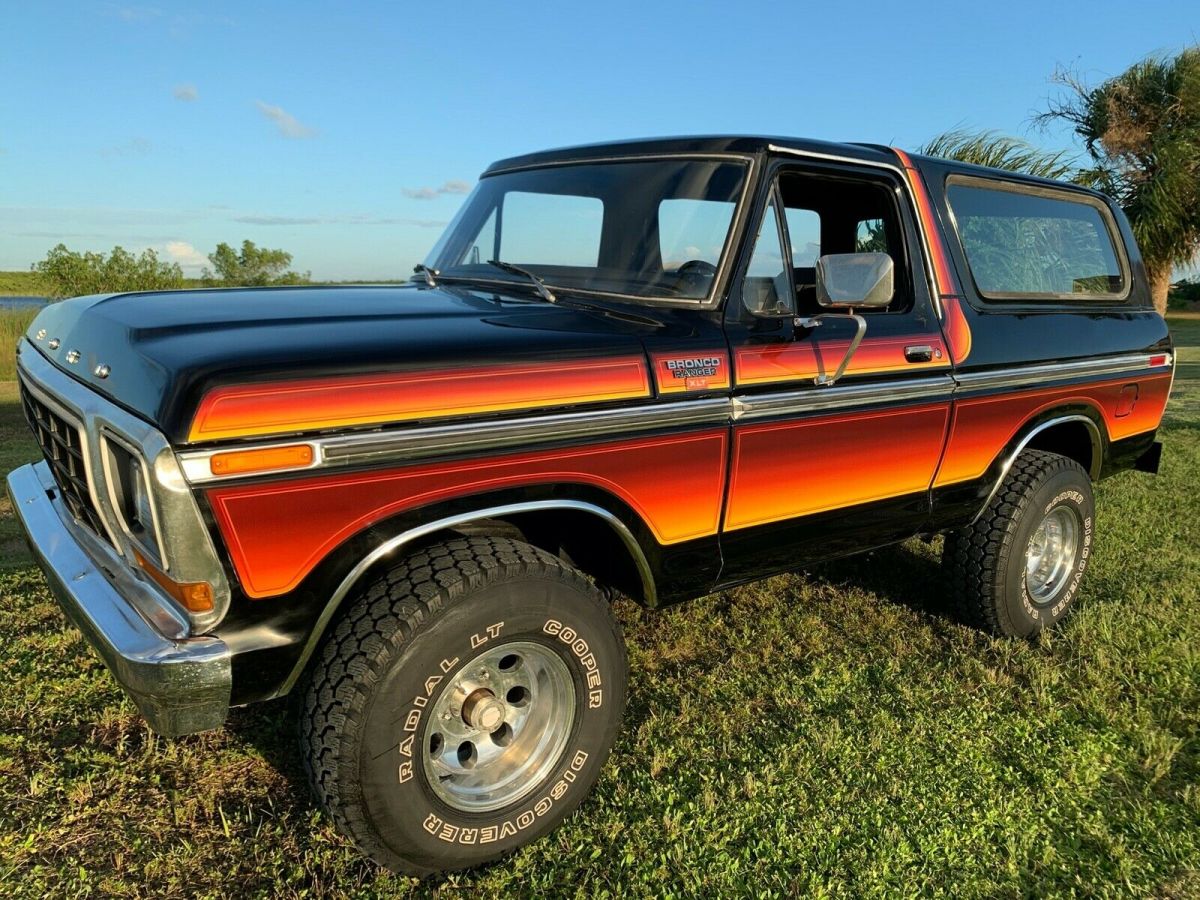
[
  {"x": 958, "y": 332},
  {"x": 344, "y": 401}
]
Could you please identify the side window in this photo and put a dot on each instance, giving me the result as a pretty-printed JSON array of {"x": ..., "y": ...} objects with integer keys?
[
  {"x": 551, "y": 229},
  {"x": 841, "y": 214},
  {"x": 483, "y": 247},
  {"x": 1033, "y": 244},
  {"x": 765, "y": 290},
  {"x": 804, "y": 233},
  {"x": 691, "y": 229},
  {"x": 871, "y": 236}
]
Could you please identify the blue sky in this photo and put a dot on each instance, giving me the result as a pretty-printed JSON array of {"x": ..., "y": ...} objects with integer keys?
[{"x": 347, "y": 133}]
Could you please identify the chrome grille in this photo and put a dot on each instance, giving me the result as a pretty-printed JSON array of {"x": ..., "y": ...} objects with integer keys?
[{"x": 63, "y": 448}]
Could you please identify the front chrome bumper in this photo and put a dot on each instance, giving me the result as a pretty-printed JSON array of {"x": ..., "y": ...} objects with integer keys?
[{"x": 180, "y": 685}]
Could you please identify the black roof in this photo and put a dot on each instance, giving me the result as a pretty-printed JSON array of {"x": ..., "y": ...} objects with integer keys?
[
  {"x": 749, "y": 143},
  {"x": 693, "y": 144}
]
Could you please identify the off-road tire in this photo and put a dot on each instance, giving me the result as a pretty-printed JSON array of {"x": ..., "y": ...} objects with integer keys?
[
  {"x": 404, "y": 640},
  {"x": 986, "y": 561}
]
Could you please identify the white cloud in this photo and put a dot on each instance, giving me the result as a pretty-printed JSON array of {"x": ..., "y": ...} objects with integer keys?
[
  {"x": 186, "y": 93},
  {"x": 454, "y": 186},
  {"x": 289, "y": 126},
  {"x": 188, "y": 257}
]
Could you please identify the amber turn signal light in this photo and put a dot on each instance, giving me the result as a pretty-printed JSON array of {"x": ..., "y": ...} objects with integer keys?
[
  {"x": 266, "y": 459},
  {"x": 196, "y": 596}
]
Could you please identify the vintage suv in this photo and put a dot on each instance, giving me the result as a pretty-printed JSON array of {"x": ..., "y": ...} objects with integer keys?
[{"x": 661, "y": 368}]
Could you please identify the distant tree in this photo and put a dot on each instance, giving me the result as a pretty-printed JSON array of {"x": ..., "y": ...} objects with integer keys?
[
  {"x": 989, "y": 148},
  {"x": 67, "y": 273},
  {"x": 253, "y": 266},
  {"x": 1141, "y": 130}
]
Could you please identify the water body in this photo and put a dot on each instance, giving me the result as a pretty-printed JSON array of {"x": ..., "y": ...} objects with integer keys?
[{"x": 22, "y": 302}]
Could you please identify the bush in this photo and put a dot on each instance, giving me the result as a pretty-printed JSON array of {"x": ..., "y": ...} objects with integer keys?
[
  {"x": 1185, "y": 294},
  {"x": 67, "y": 273},
  {"x": 252, "y": 266}
]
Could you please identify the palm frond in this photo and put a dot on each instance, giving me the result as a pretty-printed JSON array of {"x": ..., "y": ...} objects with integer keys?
[{"x": 999, "y": 151}]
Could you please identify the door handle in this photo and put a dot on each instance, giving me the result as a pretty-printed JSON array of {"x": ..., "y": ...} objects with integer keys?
[{"x": 918, "y": 353}]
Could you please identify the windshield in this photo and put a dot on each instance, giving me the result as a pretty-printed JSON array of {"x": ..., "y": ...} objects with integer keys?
[{"x": 655, "y": 229}]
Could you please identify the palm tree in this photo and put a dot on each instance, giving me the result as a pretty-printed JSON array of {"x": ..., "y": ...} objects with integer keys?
[
  {"x": 1141, "y": 131},
  {"x": 989, "y": 148}
]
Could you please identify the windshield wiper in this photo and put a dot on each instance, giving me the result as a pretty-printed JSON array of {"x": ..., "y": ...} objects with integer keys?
[
  {"x": 543, "y": 291},
  {"x": 430, "y": 274}
]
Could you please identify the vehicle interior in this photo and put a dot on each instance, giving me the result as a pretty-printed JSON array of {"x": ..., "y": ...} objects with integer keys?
[{"x": 820, "y": 215}]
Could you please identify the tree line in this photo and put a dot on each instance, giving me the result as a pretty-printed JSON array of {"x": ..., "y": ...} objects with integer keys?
[{"x": 69, "y": 273}]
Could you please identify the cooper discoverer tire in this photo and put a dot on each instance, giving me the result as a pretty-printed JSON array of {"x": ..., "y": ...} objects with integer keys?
[
  {"x": 464, "y": 705},
  {"x": 1016, "y": 570}
]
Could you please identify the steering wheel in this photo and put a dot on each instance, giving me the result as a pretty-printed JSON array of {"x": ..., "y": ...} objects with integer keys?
[{"x": 696, "y": 273}]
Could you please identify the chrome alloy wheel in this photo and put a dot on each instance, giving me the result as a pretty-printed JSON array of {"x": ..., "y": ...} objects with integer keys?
[
  {"x": 1050, "y": 555},
  {"x": 499, "y": 727}
]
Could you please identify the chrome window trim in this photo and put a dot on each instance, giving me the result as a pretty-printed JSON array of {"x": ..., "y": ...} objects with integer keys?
[
  {"x": 1093, "y": 473},
  {"x": 392, "y": 545},
  {"x": 906, "y": 188},
  {"x": 1065, "y": 195},
  {"x": 190, "y": 553}
]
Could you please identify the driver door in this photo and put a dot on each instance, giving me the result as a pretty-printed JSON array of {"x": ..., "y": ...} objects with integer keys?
[{"x": 816, "y": 470}]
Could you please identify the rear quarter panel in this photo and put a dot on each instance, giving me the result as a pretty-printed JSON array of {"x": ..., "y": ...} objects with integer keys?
[{"x": 1009, "y": 335}]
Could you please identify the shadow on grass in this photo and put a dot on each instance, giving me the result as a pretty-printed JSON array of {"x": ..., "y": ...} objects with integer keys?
[
  {"x": 898, "y": 574},
  {"x": 270, "y": 728}
]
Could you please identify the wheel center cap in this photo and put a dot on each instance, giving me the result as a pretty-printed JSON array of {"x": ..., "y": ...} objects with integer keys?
[{"x": 482, "y": 709}]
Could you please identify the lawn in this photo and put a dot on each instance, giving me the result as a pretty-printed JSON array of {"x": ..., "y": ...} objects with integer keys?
[
  {"x": 21, "y": 284},
  {"x": 829, "y": 733}
]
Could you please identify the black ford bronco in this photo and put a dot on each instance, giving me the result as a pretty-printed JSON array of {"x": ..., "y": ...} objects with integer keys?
[{"x": 660, "y": 368}]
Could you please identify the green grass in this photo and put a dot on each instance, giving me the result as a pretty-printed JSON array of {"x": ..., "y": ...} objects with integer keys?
[
  {"x": 13, "y": 323},
  {"x": 21, "y": 284},
  {"x": 830, "y": 734}
]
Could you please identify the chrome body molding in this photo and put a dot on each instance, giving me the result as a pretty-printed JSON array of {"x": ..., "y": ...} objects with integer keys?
[
  {"x": 415, "y": 444},
  {"x": 1036, "y": 375},
  {"x": 390, "y": 546},
  {"x": 1097, "y": 453},
  {"x": 181, "y": 684},
  {"x": 405, "y": 445},
  {"x": 822, "y": 399},
  {"x": 183, "y": 544}
]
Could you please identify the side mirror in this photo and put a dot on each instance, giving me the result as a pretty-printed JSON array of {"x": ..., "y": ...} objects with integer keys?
[{"x": 847, "y": 280}]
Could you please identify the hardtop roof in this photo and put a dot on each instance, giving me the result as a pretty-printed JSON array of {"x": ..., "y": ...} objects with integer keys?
[{"x": 751, "y": 144}]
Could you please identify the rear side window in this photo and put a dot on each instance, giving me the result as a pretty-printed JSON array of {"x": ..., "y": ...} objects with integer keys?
[{"x": 1034, "y": 244}]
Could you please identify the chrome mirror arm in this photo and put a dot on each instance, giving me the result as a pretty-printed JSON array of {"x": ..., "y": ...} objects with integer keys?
[{"x": 822, "y": 379}]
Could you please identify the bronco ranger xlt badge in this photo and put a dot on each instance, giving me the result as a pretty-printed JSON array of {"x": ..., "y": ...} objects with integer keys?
[{"x": 660, "y": 368}]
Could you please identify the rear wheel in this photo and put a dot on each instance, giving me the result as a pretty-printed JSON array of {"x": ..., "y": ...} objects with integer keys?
[
  {"x": 1016, "y": 570},
  {"x": 464, "y": 705}
]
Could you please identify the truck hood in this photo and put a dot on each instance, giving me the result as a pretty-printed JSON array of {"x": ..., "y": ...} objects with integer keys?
[{"x": 164, "y": 350}]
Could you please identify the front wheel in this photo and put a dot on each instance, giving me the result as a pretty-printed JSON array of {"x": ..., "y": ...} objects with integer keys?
[
  {"x": 464, "y": 705},
  {"x": 1016, "y": 570}
]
